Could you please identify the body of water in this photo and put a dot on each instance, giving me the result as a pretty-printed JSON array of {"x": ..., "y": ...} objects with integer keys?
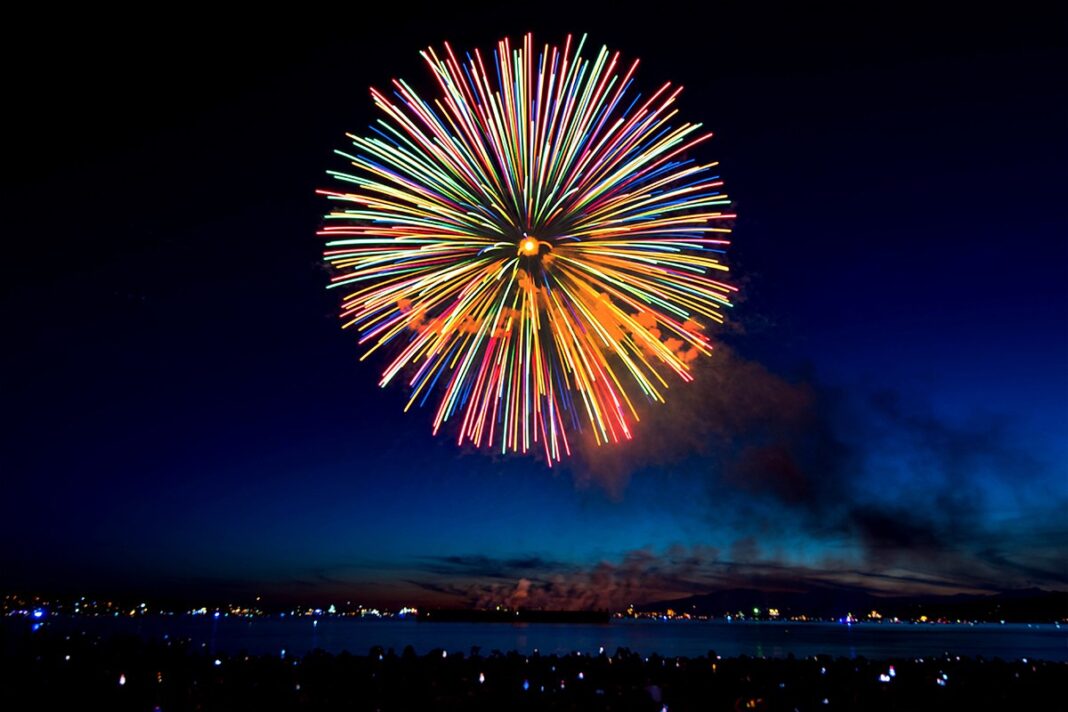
[{"x": 669, "y": 638}]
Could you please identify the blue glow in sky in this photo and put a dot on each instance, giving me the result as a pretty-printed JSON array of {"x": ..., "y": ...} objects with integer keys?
[{"x": 888, "y": 409}]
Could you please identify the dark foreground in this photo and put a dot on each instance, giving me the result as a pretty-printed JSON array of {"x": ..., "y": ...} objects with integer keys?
[{"x": 46, "y": 670}]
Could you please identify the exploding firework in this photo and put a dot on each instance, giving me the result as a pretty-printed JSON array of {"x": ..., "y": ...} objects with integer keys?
[{"x": 535, "y": 248}]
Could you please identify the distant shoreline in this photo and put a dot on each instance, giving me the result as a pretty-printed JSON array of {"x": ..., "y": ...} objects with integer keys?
[{"x": 450, "y": 615}]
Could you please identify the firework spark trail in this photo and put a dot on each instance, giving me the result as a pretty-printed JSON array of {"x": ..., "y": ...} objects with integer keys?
[{"x": 534, "y": 244}]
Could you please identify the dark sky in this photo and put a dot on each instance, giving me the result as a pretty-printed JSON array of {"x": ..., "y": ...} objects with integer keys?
[{"x": 888, "y": 408}]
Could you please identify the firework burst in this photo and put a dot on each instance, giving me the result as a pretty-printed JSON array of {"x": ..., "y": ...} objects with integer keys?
[{"x": 534, "y": 248}]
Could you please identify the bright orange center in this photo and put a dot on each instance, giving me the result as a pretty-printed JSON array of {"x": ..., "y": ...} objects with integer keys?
[{"x": 529, "y": 246}]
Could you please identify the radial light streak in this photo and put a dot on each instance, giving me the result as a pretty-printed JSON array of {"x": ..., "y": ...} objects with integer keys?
[{"x": 535, "y": 247}]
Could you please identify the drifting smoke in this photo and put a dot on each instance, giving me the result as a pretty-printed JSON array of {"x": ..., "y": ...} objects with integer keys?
[
  {"x": 904, "y": 488},
  {"x": 902, "y": 495}
]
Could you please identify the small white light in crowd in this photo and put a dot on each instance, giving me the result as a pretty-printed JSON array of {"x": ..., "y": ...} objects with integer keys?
[
  {"x": 66, "y": 657},
  {"x": 482, "y": 677},
  {"x": 122, "y": 679},
  {"x": 218, "y": 662},
  {"x": 444, "y": 653},
  {"x": 581, "y": 676},
  {"x": 884, "y": 678}
]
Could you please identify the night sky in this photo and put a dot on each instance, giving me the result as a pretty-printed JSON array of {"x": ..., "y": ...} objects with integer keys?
[{"x": 887, "y": 408}]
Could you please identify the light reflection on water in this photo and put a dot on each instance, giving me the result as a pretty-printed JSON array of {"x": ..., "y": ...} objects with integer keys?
[{"x": 687, "y": 638}]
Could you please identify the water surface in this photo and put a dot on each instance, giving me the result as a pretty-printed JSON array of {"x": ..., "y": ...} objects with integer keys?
[{"x": 669, "y": 638}]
